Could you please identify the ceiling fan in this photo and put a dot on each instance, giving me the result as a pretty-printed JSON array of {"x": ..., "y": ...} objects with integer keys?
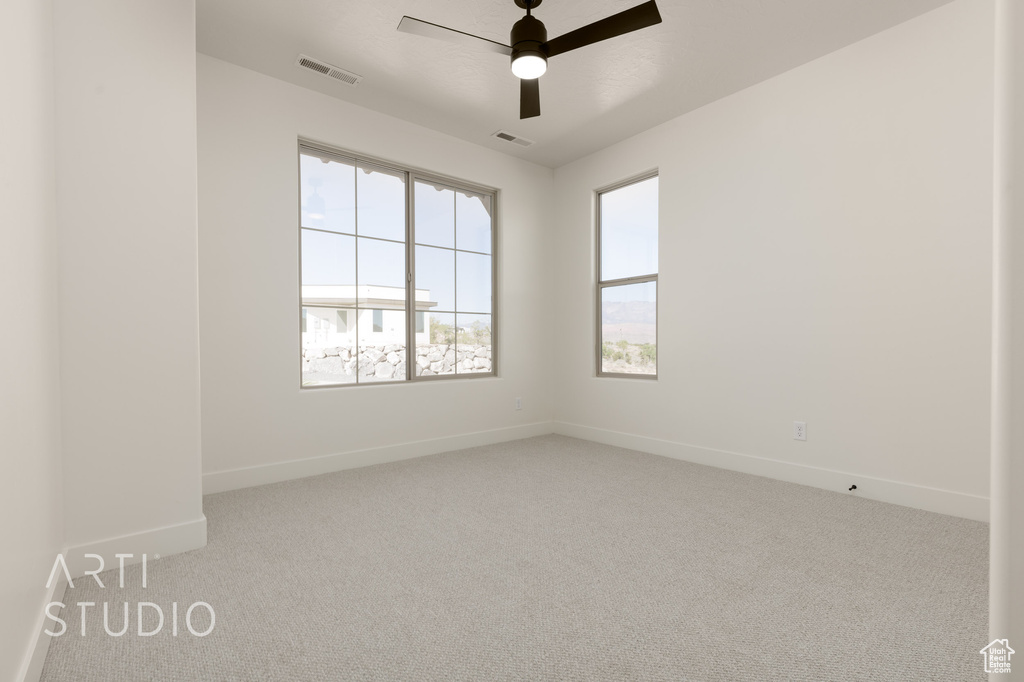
[{"x": 531, "y": 48}]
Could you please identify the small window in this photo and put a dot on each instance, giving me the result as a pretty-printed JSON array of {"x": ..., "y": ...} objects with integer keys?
[
  {"x": 627, "y": 287},
  {"x": 378, "y": 321},
  {"x": 420, "y": 326}
]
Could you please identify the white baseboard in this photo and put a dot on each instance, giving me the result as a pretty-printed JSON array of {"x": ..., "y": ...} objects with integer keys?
[
  {"x": 32, "y": 666},
  {"x": 949, "y": 502},
  {"x": 154, "y": 543},
  {"x": 247, "y": 477}
]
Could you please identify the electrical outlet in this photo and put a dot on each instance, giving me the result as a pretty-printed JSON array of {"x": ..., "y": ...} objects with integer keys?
[
  {"x": 519, "y": 403},
  {"x": 799, "y": 430}
]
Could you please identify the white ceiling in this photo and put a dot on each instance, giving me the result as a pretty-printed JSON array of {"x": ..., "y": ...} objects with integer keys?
[{"x": 702, "y": 51}]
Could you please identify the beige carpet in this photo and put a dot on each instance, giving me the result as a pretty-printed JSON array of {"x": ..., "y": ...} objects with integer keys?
[{"x": 551, "y": 559}]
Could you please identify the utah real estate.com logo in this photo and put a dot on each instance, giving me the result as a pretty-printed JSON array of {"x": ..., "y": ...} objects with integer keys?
[
  {"x": 997, "y": 656},
  {"x": 144, "y": 623}
]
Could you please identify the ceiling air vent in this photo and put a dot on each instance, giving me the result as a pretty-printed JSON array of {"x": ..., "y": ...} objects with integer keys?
[
  {"x": 325, "y": 69},
  {"x": 509, "y": 137}
]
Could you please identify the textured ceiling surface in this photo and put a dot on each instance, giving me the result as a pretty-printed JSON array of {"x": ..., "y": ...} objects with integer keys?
[{"x": 703, "y": 50}]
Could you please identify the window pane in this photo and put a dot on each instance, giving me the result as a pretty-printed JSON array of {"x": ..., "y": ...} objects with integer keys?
[
  {"x": 328, "y": 281},
  {"x": 629, "y": 338},
  {"x": 328, "y": 346},
  {"x": 473, "y": 343},
  {"x": 473, "y": 220},
  {"x": 382, "y": 268},
  {"x": 381, "y": 345},
  {"x": 381, "y": 196},
  {"x": 435, "y": 215},
  {"x": 473, "y": 279},
  {"x": 435, "y": 349},
  {"x": 328, "y": 260},
  {"x": 327, "y": 194},
  {"x": 435, "y": 278},
  {"x": 629, "y": 231}
]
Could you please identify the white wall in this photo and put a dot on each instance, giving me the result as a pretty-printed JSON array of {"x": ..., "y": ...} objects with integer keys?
[
  {"x": 126, "y": 210},
  {"x": 826, "y": 257},
  {"x": 254, "y": 413},
  {"x": 31, "y": 508}
]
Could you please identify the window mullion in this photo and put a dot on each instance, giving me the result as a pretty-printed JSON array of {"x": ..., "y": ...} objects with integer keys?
[
  {"x": 410, "y": 280},
  {"x": 628, "y": 280}
]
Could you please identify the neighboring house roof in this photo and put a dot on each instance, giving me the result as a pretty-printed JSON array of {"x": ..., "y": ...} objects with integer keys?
[{"x": 348, "y": 296}]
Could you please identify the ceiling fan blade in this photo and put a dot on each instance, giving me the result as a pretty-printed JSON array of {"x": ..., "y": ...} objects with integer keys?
[
  {"x": 633, "y": 19},
  {"x": 529, "y": 98},
  {"x": 429, "y": 30}
]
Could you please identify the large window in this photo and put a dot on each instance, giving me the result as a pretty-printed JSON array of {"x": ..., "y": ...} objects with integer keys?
[
  {"x": 627, "y": 287},
  {"x": 392, "y": 259}
]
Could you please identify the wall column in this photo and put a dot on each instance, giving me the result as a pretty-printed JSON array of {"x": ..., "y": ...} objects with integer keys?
[
  {"x": 126, "y": 168},
  {"x": 1006, "y": 583}
]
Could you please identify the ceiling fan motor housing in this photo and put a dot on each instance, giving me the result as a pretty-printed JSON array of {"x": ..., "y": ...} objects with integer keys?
[{"x": 528, "y": 37}]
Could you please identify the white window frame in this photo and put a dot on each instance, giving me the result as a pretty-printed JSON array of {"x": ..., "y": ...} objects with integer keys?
[
  {"x": 412, "y": 175},
  {"x": 640, "y": 279}
]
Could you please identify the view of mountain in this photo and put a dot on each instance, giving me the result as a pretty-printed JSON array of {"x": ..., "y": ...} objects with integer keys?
[{"x": 632, "y": 321}]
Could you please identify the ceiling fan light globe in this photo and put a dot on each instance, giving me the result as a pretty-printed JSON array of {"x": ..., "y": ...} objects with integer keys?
[{"x": 529, "y": 66}]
